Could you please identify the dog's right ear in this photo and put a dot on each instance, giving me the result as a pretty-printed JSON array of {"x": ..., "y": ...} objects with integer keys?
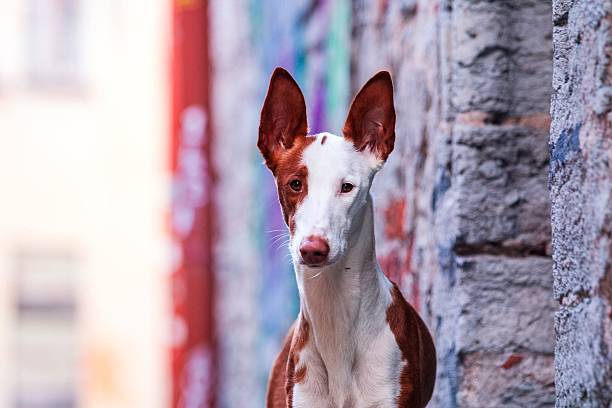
[
  {"x": 370, "y": 123},
  {"x": 283, "y": 117}
]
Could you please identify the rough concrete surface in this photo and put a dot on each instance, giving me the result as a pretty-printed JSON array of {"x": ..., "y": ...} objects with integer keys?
[{"x": 581, "y": 198}]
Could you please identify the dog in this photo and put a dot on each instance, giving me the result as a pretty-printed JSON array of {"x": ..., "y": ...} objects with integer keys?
[{"x": 356, "y": 341}]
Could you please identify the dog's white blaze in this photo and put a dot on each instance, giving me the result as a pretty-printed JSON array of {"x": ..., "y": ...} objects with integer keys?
[
  {"x": 325, "y": 211},
  {"x": 355, "y": 374}
]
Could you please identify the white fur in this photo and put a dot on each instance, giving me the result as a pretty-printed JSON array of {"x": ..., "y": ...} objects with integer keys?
[
  {"x": 326, "y": 211},
  {"x": 351, "y": 357}
]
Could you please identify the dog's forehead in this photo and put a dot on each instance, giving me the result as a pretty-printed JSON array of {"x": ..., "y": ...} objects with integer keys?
[{"x": 332, "y": 156}]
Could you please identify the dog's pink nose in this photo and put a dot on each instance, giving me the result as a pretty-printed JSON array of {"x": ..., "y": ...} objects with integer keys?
[{"x": 314, "y": 250}]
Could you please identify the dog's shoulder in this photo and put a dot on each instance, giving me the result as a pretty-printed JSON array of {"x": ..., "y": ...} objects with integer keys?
[
  {"x": 276, "y": 396},
  {"x": 417, "y": 349}
]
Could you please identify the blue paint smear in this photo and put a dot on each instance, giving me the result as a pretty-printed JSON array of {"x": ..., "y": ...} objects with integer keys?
[
  {"x": 443, "y": 183},
  {"x": 446, "y": 260},
  {"x": 567, "y": 143},
  {"x": 450, "y": 361}
]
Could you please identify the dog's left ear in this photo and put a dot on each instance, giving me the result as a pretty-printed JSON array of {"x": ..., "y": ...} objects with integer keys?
[
  {"x": 283, "y": 117},
  {"x": 370, "y": 123}
]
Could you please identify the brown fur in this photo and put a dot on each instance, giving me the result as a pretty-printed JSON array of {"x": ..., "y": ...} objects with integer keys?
[
  {"x": 283, "y": 118},
  {"x": 288, "y": 167},
  {"x": 284, "y": 375},
  {"x": 282, "y": 139},
  {"x": 419, "y": 373},
  {"x": 300, "y": 338},
  {"x": 276, "y": 396},
  {"x": 371, "y": 119}
]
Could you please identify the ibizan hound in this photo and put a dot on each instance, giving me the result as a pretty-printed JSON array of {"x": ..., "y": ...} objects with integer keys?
[{"x": 356, "y": 342}]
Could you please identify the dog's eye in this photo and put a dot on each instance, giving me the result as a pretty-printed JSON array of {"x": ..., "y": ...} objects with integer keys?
[
  {"x": 296, "y": 185},
  {"x": 346, "y": 187}
]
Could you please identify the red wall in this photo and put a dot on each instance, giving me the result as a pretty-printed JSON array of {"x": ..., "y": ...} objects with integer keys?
[{"x": 193, "y": 356}]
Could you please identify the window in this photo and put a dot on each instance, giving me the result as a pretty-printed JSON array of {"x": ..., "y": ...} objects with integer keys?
[
  {"x": 54, "y": 34},
  {"x": 45, "y": 335}
]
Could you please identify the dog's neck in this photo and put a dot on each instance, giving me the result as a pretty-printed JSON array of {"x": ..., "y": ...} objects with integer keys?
[{"x": 346, "y": 301}]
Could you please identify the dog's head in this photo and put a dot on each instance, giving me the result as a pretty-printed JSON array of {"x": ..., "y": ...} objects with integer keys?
[{"x": 323, "y": 180}]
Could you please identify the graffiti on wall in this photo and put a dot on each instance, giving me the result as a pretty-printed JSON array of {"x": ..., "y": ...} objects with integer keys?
[{"x": 311, "y": 40}]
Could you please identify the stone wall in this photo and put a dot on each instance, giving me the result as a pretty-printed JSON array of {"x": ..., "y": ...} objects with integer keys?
[
  {"x": 462, "y": 205},
  {"x": 581, "y": 197}
]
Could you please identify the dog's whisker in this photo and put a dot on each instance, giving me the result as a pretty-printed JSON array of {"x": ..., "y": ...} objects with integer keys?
[
  {"x": 285, "y": 244},
  {"x": 277, "y": 230},
  {"x": 282, "y": 244},
  {"x": 278, "y": 239},
  {"x": 281, "y": 234},
  {"x": 316, "y": 276}
]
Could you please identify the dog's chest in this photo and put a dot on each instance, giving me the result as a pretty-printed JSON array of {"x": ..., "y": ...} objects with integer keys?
[{"x": 337, "y": 377}]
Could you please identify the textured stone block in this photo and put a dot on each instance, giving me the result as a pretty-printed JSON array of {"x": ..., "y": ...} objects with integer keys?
[
  {"x": 505, "y": 304},
  {"x": 501, "y": 56},
  {"x": 498, "y": 189},
  {"x": 512, "y": 380}
]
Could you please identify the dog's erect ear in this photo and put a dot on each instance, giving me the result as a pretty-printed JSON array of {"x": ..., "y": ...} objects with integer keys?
[
  {"x": 371, "y": 119},
  {"x": 283, "y": 117}
]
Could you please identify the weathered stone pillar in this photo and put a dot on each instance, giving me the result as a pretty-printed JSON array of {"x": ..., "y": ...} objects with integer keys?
[
  {"x": 581, "y": 196},
  {"x": 463, "y": 213}
]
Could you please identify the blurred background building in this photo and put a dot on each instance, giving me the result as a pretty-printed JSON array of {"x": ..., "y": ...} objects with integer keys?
[
  {"x": 84, "y": 181},
  {"x": 143, "y": 258}
]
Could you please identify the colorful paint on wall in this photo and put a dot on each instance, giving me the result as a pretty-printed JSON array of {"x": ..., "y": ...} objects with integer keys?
[{"x": 311, "y": 40}]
